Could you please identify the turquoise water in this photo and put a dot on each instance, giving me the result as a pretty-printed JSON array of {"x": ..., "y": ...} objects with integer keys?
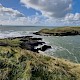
[
  {"x": 65, "y": 47},
  {"x": 62, "y": 47}
]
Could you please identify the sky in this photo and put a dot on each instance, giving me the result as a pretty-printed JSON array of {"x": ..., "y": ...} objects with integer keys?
[{"x": 40, "y": 12}]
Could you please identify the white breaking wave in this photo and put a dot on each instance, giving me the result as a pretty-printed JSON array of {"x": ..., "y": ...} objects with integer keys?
[{"x": 6, "y": 34}]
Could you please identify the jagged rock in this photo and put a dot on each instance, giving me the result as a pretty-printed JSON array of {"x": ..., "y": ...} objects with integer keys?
[
  {"x": 25, "y": 42},
  {"x": 30, "y": 45},
  {"x": 23, "y": 37},
  {"x": 36, "y": 38},
  {"x": 44, "y": 48},
  {"x": 36, "y": 33}
]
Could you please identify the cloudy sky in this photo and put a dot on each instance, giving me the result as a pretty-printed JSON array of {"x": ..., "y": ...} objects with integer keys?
[{"x": 40, "y": 12}]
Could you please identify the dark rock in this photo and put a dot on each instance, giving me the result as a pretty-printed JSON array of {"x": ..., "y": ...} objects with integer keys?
[
  {"x": 24, "y": 40},
  {"x": 26, "y": 45},
  {"x": 36, "y": 38},
  {"x": 37, "y": 43},
  {"x": 27, "y": 42},
  {"x": 36, "y": 33},
  {"x": 29, "y": 45},
  {"x": 23, "y": 37},
  {"x": 45, "y": 47},
  {"x": 3, "y": 44},
  {"x": 40, "y": 43},
  {"x": 31, "y": 40}
]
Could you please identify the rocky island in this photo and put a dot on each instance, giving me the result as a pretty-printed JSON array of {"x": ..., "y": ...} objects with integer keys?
[
  {"x": 20, "y": 61},
  {"x": 60, "y": 31}
]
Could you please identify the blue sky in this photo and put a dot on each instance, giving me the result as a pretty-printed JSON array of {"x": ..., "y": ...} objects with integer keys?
[
  {"x": 15, "y": 4},
  {"x": 76, "y": 6},
  {"x": 41, "y": 10}
]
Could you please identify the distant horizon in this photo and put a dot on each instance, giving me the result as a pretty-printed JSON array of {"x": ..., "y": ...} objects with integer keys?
[{"x": 38, "y": 26}]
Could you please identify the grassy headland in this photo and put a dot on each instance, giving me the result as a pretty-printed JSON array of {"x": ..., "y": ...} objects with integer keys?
[
  {"x": 60, "y": 31},
  {"x": 18, "y": 63}
]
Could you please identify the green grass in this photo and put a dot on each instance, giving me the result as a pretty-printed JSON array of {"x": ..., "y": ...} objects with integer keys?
[
  {"x": 13, "y": 42},
  {"x": 26, "y": 65},
  {"x": 60, "y": 30},
  {"x": 21, "y": 64}
]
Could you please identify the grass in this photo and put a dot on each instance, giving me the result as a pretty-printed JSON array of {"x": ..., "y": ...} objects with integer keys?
[
  {"x": 61, "y": 29},
  {"x": 26, "y": 65},
  {"x": 22, "y": 64},
  {"x": 12, "y": 42}
]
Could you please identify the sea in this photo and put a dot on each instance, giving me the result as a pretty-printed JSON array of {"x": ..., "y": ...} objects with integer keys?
[{"x": 67, "y": 47}]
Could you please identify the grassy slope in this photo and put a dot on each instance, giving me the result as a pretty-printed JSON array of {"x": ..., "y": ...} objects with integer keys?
[{"x": 21, "y": 64}]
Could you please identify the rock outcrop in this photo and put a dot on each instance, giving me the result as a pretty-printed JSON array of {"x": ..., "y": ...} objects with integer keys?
[{"x": 24, "y": 42}]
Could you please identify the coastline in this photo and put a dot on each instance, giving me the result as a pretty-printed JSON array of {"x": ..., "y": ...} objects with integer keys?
[{"x": 60, "y": 31}]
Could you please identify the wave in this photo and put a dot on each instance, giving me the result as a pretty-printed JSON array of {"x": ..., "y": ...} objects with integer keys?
[{"x": 11, "y": 33}]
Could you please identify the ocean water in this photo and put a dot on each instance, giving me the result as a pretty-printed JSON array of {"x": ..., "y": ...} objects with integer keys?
[{"x": 67, "y": 47}]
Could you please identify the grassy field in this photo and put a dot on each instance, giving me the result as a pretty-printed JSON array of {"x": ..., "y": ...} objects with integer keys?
[{"x": 21, "y": 64}]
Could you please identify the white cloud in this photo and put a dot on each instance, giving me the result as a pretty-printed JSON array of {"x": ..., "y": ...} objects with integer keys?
[
  {"x": 51, "y": 8},
  {"x": 58, "y": 12},
  {"x": 9, "y": 12},
  {"x": 54, "y": 13},
  {"x": 9, "y": 16},
  {"x": 72, "y": 17}
]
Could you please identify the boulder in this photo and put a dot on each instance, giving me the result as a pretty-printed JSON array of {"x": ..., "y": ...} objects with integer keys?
[{"x": 45, "y": 47}]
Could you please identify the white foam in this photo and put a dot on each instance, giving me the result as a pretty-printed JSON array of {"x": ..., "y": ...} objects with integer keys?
[
  {"x": 68, "y": 51},
  {"x": 6, "y": 34},
  {"x": 76, "y": 59}
]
